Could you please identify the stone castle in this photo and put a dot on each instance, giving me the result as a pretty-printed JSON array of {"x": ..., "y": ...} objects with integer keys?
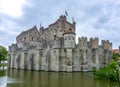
[{"x": 54, "y": 49}]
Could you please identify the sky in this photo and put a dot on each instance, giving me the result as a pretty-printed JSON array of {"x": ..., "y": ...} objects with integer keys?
[{"x": 94, "y": 18}]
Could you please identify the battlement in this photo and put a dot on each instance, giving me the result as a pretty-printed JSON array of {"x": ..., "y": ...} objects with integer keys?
[
  {"x": 13, "y": 48},
  {"x": 107, "y": 45},
  {"x": 93, "y": 42},
  {"x": 82, "y": 42}
]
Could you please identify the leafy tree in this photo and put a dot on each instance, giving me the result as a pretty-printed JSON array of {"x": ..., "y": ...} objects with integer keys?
[
  {"x": 110, "y": 72},
  {"x": 115, "y": 56},
  {"x": 3, "y": 53}
]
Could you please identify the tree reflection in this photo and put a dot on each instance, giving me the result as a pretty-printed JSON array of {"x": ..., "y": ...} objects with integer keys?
[{"x": 2, "y": 70}]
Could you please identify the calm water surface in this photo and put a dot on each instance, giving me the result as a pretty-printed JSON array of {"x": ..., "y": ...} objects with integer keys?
[{"x": 25, "y": 78}]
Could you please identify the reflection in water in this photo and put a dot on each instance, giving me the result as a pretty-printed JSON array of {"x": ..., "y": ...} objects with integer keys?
[
  {"x": 25, "y": 78},
  {"x": 3, "y": 70},
  {"x": 55, "y": 79}
]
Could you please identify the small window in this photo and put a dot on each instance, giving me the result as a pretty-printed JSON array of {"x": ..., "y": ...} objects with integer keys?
[
  {"x": 32, "y": 38},
  {"x": 70, "y": 29},
  {"x": 65, "y": 38},
  {"x": 64, "y": 50}
]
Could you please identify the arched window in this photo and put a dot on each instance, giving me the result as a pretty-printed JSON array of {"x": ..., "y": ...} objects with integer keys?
[{"x": 70, "y": 29}]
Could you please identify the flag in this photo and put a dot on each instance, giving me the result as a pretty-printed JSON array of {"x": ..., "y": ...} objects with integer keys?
[{"x": 66, "y": 13}]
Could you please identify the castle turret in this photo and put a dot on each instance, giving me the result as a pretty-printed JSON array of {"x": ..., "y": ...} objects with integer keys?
[
  {"x": 82, "y": 43},
  {"x": 107, "y": 45},
  {"x": 93, "y": 43},
  {"x": 69, "y": 39},
  {"x": 69, "y": 44}
]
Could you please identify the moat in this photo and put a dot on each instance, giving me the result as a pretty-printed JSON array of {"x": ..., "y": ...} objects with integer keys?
[{"x": 26, "y": 78}]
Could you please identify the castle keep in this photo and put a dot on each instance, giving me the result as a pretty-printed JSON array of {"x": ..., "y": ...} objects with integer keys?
[{"x": 54, "y": 49}]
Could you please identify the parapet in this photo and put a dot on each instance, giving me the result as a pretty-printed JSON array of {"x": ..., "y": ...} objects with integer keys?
[
  {"x": 93, "y": 42},
  {"x": 107, "y": 45},
  {"x": 82, "y": 42},
  {"x": 13, "y": 47}
]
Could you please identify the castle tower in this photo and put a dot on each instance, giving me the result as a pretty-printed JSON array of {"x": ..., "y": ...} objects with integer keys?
[
  {"x": 69, "y": 39},
  {"x": 69, "y": 44}
]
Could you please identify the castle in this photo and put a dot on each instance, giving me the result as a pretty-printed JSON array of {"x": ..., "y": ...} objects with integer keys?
[{"x": 54, "y": 49}]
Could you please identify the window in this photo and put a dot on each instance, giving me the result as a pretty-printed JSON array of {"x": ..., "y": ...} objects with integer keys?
[
  {"x": 65, "y": 38},
  {"x": 25, "y": 38},
  {"x": 70, "y": 29},
  {"x": 73, "y": 38},
  {"x": 64, "y": 50},
  {"x": 32, "y": 38}
]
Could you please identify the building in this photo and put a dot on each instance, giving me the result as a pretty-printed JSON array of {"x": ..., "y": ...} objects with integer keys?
[
  {"x": 54, "y": 49},
  {"x": 116, "y": 50}
]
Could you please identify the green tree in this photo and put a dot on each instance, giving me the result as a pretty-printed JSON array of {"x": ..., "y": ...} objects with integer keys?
[
  {"x": 115, "y": 56},
  {"x": 3, "y": 53},
  {"x": 110, "y": 72}
]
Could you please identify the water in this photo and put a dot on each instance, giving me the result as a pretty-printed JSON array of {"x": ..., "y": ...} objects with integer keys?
[{"x": 25, "y": 78}]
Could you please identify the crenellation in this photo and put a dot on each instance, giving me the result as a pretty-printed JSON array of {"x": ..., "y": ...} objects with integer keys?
[
  {"x": 54, "y": 49},
  {"x": 107, "y": 45},
  {"x": 93, "y": 43},
  {"x": 82, "y": 43}
]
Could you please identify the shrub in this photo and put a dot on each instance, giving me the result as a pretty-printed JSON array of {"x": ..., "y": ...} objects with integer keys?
[{"x": 110, "y": 72}]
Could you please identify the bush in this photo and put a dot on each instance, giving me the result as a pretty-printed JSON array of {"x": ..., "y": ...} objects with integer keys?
[{"x": 110, "y": 72}]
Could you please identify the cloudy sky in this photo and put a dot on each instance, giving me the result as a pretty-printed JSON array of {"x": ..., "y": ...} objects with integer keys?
[{"x": 94, "y": 18}]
